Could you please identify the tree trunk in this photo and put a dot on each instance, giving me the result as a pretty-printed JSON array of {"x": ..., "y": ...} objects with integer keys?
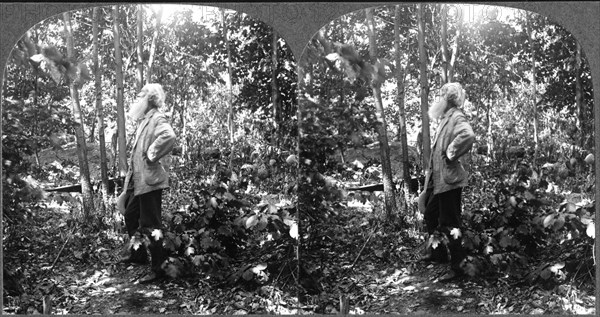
[
  {"x": 452, "y": 65},
  {"x": 99, "y": 110},
  {"x": 121, "y": 132},
  {"x": 230, "y": 89},
  {"x": 86, "y": 186},
  {"x": 579, "y": 97},
  {"x": 140, "y": 47},
  {"x": 153, "y": 46},
  {"x": 275, "y": 89},
  {"x": 388, "y": 183},
  {"x": 36, "y": 126},
  {"x": 533, "y": 92},
  {"x": 184, "y": 145},
  {"x": 424, "y": 89},
  {"x": 93, "y": 129},
  {"x": 490, "y": 140},
  {"x": 400, "y": 96},
  {"x": 444, "y": 36}
]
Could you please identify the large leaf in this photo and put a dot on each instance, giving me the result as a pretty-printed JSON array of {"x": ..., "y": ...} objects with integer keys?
[
  {"x": 548, "y": 220},
  {"x": 294, "y": 231},
  {"x": 591, "y": 230},
  {"x": 251, "y": 221}
]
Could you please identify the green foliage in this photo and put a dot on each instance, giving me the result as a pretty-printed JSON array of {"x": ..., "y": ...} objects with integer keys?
[
  {"x": 517, "y": 222},
  {"x": 222, "y": 222}
]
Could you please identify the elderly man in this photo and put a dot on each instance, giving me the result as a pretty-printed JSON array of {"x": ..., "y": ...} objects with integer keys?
[
  {"x": 146, "y": 178},
  {"x": 446, "y": 176}
]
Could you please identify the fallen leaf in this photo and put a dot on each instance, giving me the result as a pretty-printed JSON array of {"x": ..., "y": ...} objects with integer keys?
[
  {"x": 591, "y": 230},
  {"x": 455, "y": 232},
  {"x": 294, "y": 231},
  {"x": 157, "y": 234}
]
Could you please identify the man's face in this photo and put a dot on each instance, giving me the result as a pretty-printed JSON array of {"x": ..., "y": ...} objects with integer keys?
[
  {"x": 138, "y": 108},
  {"x": 437, "y": 108}
]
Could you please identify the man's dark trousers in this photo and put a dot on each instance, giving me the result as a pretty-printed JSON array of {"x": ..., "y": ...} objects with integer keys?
[
  {"x": 443, "y": 213},
  {"x": 143, "y": 215}
]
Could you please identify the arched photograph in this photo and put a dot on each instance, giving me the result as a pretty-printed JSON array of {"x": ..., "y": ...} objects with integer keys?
[
  {"x": 446, "y": 164},
  {"x": 148, "y": 164}
]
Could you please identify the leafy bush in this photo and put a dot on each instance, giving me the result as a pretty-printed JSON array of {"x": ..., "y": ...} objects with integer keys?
[
  {"x": 511, "y": 221},
  {"x": 221, "y": 223}
]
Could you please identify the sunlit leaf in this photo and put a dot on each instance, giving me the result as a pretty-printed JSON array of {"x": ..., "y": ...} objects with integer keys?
[
  {"x": 455, "y": 233},
  {"x": 259, "y": 267},
  {"x": 213, "y": 202},
  {"x": 294, "y": 231},
  {"x": 591, "y": 230},
  {"x": 557, "y": 267},
  {"x": 189, "y": 251},
  {"x": 548, "y": 220},
  {"x": 512, "y": 201},
  {"x": 488, "y": 249},
  {"x": 157, "y": 234},
  {"x": 251, "y": 221}
]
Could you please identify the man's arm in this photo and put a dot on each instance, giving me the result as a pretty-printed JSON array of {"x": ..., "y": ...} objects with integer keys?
[
  {"x": 463, "y": 140},
  {"x": 165, "y": 140}
]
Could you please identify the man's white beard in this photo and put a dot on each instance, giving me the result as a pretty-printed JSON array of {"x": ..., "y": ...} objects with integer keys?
[
  {"x": 138, "y": 109},
  {"x": 438, "y": 108}
]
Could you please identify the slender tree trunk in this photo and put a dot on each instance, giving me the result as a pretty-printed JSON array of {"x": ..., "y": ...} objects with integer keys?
[
  {"x": 230, "y": 89},
  {"x": 452, "y": 65},
  {"x": 153, "y": 46},
  {"x": 400, "y": 98},
  {"x": 533, "y": 92},
  {"x": 122, "y": 144},
  {"x": 93, "y": 128},
  {"x": 490, "y": 140},
  {"x": 444, "y": 36},
  {"x": 388, "y": 183},
  {"x": 275, "y": 89},
  {"x": 99, "y": 110},
  {"x": 184, "y": 145},
  {"x": 579, "y": 97},
  {"x": 36, "y": 126},
  {"x": 140, "y": 47},
  {"x": 86, "y": 186},
  {"x": 424, "y": 88}
]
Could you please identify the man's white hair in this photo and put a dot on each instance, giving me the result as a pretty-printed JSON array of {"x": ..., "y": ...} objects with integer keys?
[
  {"x": 156, "y": 94},
  {"x": 451, "y": 95},
  {"x": 153, "y": 96}
]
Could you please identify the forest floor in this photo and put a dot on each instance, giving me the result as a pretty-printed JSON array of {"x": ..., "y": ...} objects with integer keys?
[
  {"x": 384, "y": 279},
  {"x": 387, "y": 278},
  {"x": 88, "y": 279}
]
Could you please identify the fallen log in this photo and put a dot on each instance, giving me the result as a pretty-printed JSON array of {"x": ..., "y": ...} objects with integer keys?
[{"x": 76, "y": 188}]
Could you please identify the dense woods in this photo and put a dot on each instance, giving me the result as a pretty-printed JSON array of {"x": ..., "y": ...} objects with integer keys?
[
  {"x": 294, "y": 178},
  {"x": 528, "y": 212},
  {"x": 230, "y": 84}
]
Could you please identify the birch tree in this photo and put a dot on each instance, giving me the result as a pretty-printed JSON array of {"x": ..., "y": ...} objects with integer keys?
[
  {"x": 376, "y": 80},
  {"x": 122, "y": 146},
  {"x": 99, "y": 110},
  {"x": 424, "y": 88},
  {"x": 86, "y": 186}
]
